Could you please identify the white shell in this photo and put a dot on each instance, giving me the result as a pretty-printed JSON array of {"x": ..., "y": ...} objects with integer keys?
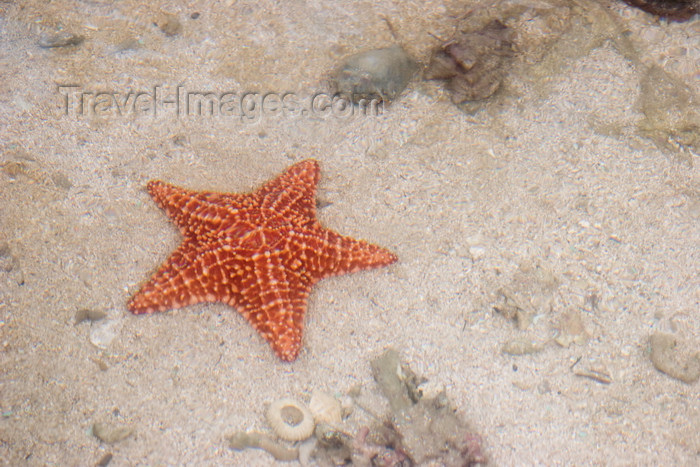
[
  {"x": 290, "y": 420},
  {"x": 325, "y": 408}
]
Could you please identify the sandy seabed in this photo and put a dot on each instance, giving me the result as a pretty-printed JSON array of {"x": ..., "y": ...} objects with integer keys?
[{"x": 529, "y": 198}]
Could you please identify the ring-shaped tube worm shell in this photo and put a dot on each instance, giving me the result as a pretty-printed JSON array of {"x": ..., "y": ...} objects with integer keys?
[{"x": 290, "y": 420}]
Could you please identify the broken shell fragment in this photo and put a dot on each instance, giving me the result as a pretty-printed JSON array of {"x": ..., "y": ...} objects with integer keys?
[
  {"x": 290, "y": 420},
  {"x": 325, "y": 408},
  {"x": 597, "y": 372},
  {"x": 376, "y": 74},
  {"x": 521, "y": 346}
]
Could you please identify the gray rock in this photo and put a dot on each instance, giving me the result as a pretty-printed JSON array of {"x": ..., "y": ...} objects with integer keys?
[{"x": 376, "y": 74}]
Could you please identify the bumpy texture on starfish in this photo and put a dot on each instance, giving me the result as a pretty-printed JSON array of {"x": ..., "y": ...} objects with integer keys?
[{"x": 260, "y": 253}]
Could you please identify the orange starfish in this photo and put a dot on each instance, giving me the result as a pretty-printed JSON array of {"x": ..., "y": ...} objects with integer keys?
[{"x": 260, "y": 253}]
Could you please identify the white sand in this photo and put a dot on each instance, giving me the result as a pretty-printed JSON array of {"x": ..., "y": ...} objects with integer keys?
[{"x": 526, "y": 197}]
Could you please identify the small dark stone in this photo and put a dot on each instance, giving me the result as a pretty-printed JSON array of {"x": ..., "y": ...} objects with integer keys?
[
  {"x": 180, "y": 140},
  {"x": 195, "y": 15},
  {"x": 322, "y": 203},
  {"x": 5, "y": 250},
  {"x": 7, "y": 261}
]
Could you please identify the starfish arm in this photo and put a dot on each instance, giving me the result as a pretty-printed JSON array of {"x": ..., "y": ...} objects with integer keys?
[
  {"x": 328, "y": 253},
  {"x": 281, "y": 324},
  {"x": 273, "y": 299},
  {"x": 191, "y": 210},
  {"x": 293, "y": 192},
  {"x": 187, "y": 277}
]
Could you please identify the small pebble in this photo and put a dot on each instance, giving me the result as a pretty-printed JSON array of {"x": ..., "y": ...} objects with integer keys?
[
  {"x": 13, "y": 169},
  {"x": 61, "y": 180},
  {"x": 666, "y": 358},
  {"x": 101, "y": 364},
  {"x": 477, "y": 252},
  {"x": 105, "y": 460},
  {"x": 571, "y": 330},
  {"x": 544, "y": 387},
  {"x": 170, "y": 25},
  {"x": 7, "y": 261}
]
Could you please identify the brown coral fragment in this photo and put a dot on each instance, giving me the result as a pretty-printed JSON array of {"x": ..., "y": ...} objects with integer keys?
[
  {"x": 473, "y": 62},
  {"x": 381, "y": 447},
  {"x": 421, "y": 430}
]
